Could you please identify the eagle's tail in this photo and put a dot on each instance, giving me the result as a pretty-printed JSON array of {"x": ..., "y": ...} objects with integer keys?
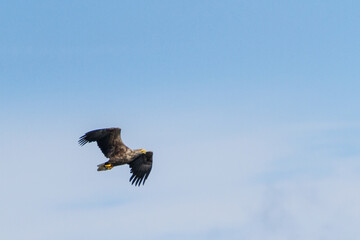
[
  {"x": 104, "y": 166},
  {"x": 101, "y": 167}
]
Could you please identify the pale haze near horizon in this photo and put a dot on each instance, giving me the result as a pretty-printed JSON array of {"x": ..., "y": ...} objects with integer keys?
[{"x": 250, "y": 107}]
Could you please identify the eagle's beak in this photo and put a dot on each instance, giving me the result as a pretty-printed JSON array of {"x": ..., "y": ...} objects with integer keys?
[{"x": 143, "y": 151}]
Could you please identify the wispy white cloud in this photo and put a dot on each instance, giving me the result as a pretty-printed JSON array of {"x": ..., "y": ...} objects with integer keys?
[{"x": 269, "y": 184}]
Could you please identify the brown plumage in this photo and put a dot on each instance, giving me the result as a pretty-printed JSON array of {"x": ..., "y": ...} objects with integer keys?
[{"x": 111, "y": 145}]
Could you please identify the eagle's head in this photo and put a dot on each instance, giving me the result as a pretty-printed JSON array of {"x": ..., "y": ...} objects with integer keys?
[{"x": 140, "y": 151}]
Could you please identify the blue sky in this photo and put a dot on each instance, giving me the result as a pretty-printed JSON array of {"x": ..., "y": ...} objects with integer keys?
[{"x": 250, "y": 108}]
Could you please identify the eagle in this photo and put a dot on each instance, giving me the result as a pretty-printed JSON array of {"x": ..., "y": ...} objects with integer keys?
[{"x": 111, "y": 145}]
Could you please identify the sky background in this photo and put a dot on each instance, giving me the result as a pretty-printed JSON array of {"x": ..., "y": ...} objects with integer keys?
[{"x": 251, "y": 109}]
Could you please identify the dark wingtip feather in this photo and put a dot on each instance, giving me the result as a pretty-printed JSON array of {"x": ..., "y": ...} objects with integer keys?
[
  {"x": 135, "y": 179},
  {"x": 132, "y": 177},
  {"x": 138, "y": 181},
  {"x": 82, "y": 141}
]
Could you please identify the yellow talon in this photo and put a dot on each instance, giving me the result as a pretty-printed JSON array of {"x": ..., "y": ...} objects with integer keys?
[
  {"x": 108, "y": 166},
  {"x": 143, "y": 151}
]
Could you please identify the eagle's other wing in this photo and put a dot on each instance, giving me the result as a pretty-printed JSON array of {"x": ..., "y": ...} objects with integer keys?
[
  {"x": 108, "y": 140},
  {"x": 140, "y": 168}
]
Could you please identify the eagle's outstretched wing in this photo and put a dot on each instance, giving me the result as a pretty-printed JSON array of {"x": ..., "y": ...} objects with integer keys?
[
  {"x": 108, "y": 140},
  {"x": 141, "y": 168}
]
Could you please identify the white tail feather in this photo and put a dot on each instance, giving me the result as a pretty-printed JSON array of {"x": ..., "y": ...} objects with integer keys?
[{"x": 101, "y": 167}]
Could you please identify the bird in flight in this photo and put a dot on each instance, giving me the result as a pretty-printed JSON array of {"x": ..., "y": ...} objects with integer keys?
[{"x": 111, "y": 145}]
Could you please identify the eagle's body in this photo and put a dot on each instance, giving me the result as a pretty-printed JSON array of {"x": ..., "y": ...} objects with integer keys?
[{"x": 110, "y": 143}]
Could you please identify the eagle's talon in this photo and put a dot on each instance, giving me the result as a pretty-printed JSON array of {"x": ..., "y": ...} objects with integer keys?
[{"x": 108, "y": 166}]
